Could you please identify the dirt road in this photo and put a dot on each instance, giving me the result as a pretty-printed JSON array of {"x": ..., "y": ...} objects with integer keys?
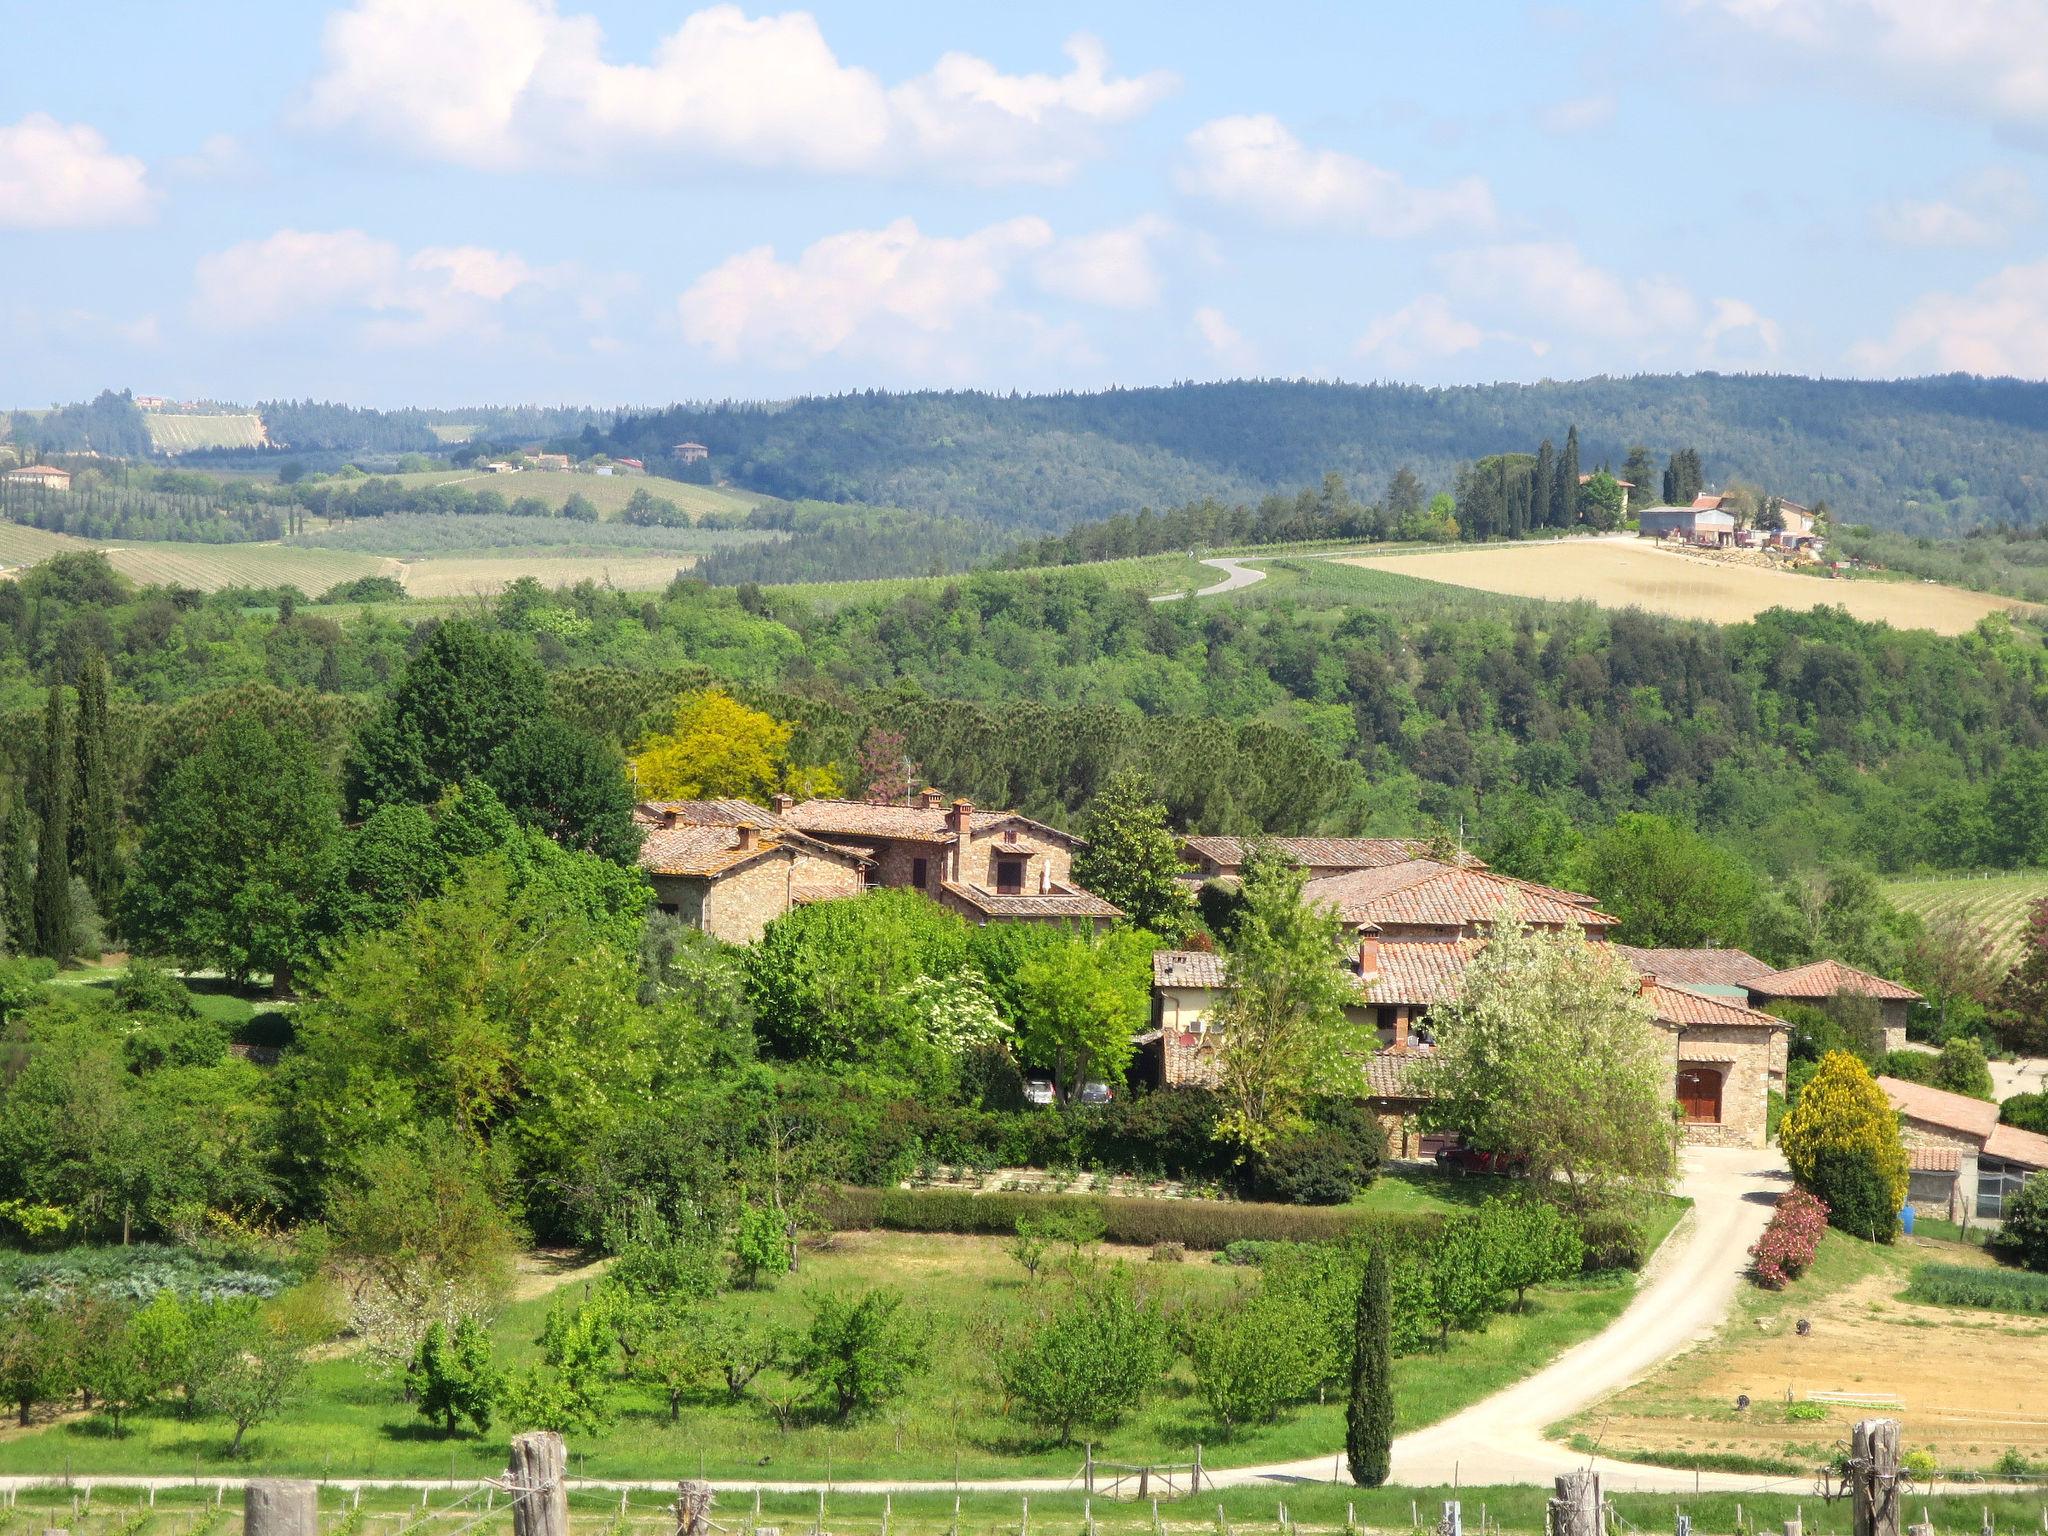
[{"x": 1236, "y": 574}]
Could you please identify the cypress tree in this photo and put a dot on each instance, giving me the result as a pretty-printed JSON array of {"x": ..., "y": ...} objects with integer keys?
[
  {"x": 1566, "y": 509},
  {"x": 95, "y": 829},
  {"x": 54, "y": 931},
  {"x": 1543, "y": 486},
  {"x": 18, "y": 892},
  {"x": 1369, "y": 1418}
]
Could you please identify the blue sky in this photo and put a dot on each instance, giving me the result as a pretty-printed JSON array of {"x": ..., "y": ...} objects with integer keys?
[{"x": 451, "y": 201}]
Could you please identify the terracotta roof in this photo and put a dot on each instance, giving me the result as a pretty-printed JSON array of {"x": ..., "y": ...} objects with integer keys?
[
  {"x": 1186, "y": 968},
  {"x": 1698, "y": 967},
  {"x": 857, "y": 818},
  {"x": 705, "y": 841},
  {"x": 1390, "y": 1075},
  {"x": 2010, "y": 1144},
  {"x": 1934, "y": 1159},
  {"x": 1318, "y": 852},
  {"x": 1682, "y": 1005},
  {"x": 706, "y": 813},
  {"x": 1705, "y": 503},
  {"x": 1424, "y": 893},
  {"x": 1974, "y": 1118},
  {"x": 1824, "y": 978},
  {"x": 1421, "y": 971},
  {"x": 1060, "y": 901}
]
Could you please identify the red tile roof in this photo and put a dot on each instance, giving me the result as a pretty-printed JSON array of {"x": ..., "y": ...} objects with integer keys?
[
  {"x": 705, "y": 841},
  {"x": 1934, "y": 1159},
  {"x": 1186, "y": 968},
  {"x": 1391, "y": 1075},
  {"x": 1824, "y": 978},
  {"x": 1421, "y": 972},
  {"x": 857, "y": 818},
  {"x": 2010, "y": 1144},
  {"x": 1958, "y": 1112},
  {"x": 1060, "y": 901},
  {"x": 1682, "y": 1006},
  {"x": 1425, "y": 894},
  {"x": 1317, "y": 852},
  {"x": 1698, "y": 967}
]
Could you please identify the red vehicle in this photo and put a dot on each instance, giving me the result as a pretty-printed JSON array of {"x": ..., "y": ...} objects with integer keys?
[{"x": 1464, "y": 1160}]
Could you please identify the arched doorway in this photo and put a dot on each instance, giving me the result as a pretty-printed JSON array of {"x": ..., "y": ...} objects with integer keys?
[{"x": 1699, "y": 1095}]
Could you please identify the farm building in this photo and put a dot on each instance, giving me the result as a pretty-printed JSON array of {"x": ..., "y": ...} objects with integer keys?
[
  {"x": 47, "y": 476},
  {"x": 730, "y": 867},
  {"x": 1818, "y": 982},
  {"x": 1965, "y": 1162},
  {"x": 1694, "y": 524},
  {"x": 556, "y": 462},
  {"x": 692, "y": 453}
]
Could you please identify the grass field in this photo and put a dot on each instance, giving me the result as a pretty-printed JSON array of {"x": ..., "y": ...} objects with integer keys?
[
  {"x": 608, "y": 493},
  {"x": 461, "y": 575},
  {"x": 182, "y": 434},
  {"x": 1863, "y": 1338},
  {"x": 1631, "y": 574},
  {"x": 1998, "y": 902},
  {"x": 966, "y": 1289}
]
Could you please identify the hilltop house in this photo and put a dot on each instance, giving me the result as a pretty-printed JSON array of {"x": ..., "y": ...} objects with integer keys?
[
  {"x": 691, "y": 453},
  {"x": 729, "y": 867},
  {"x": 986, "y": 865},
  {"x": 1965, "y": 1163},
  {"x": 47, "y": 476},
  {"x": 1821, "y": 980}
]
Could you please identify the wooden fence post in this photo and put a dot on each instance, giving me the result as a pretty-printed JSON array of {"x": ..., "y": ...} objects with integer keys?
[
  {"x": 1874, "y": 1463},
  {"x": 538, "y": 1477},
  {"x": 693, "y": 1508},
  {"x": 1576, "y": 1509},
  {"x": 280, "y": 1507}
]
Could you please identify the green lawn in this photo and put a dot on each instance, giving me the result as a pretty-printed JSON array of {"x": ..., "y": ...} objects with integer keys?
[{"x": 347, "y": 1424}]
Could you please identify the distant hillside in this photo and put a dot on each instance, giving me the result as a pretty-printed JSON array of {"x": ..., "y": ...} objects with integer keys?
[{"x": 1930, "y": 456}]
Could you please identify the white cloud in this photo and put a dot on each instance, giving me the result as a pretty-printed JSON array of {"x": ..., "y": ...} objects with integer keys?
[
  {"x": 1999, "y": 327},
  {"x": 1977, "y": 211},
  {"x": 1982, "y": 58},
  {"x": 1427, "y": 330},
  {"x": 1255, "y": 163},
  {"x": 1743, "y": 328},
  {"x": 894, "y": 293},
  {"x": 297, "y": 276},
  {"x": 1552, "y": 281},
  {"x": 1112, "y": 267},
  {"x": 63, "y": 176},
  {"x": 506, "y": 84},
  {"x": 1225, "y": 342},
  {"x": 1583, "y": 114},
  {"x": 219, "y": 157}
]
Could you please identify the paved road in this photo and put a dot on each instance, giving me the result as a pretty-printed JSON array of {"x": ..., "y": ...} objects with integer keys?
[
  {"x": 2027, "y": 1074},
  {"x": 1235, "y": 574},
  {"x": 1683, "y": 1298}
]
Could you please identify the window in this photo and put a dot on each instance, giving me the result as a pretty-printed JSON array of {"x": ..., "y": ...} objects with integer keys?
[
  {"x": 1997, "y": 1183},
  {"x": 920, "y": 873},
  {"x": 1699, "y": 1095},
  {"x": 1009, "y": 877}
]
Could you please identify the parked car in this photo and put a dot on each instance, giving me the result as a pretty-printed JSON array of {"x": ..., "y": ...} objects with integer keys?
[
  {"x": 1463, "y": 1160},
  {"x": 1038, "y": 1089},
  {"x": 1093, "y": 1092}
]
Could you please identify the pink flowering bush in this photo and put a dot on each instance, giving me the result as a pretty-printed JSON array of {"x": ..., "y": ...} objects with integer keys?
[{"x": 1790, "y": 1241}]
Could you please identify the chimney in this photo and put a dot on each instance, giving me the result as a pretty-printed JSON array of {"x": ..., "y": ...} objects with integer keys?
[
  {"x": 928, "y": 799},
  {"x": 781, "y": 803},
  {"x": 1368, "y": 956},
  {"x": 748, "y": 836},
  {"x": 669, "y": 817},
  {"x": 962, "y": 815},
  {"x": 1647, "y": 985}
]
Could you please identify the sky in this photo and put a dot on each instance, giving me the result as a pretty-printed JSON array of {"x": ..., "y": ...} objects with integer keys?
[{"x": 465, "y": 201}]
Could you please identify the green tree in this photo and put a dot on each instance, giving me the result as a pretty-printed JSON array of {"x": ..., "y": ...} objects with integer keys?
[
  {"x": 460, "y": 699},
  {"x": 573, "y": 1390},
  {"x": 2024, "y": 1231},
  {"x": 19, "y": 874},
  {"x": 739, "y": 1349},
  {"x": 1961, "y": 1068},
  {"x": 1464, "y": 1277},
  {"x": 56, "y": 923},
  {"x": 2019, "y": 1012},
  {"x": 111, "y": 1369},
  {"x": 1532, "y": 1243},
  {"x": 1369, "y": 1413},
  {"x": 1565, "y": 501},
  {"x": 35, "y": 1356},
  {"x": 1093, "y": 1350},
  {"x": 95, "y": 830},
  {"x": 1285, "y": 1038},
  {"x": 1842, "y": 1111},
  {"x": 1248, "y": 1357},
  {"x": 242, "y": 844},
  {"x": 760, "y": 1244},
  {"x": 1669, "y": 886},
  {"x": 452, "y": 1377},
  {"x": 1132, "y": 858},
  {"x": 671, "y": 1359},
  {"x": 1080, "y": 999},
  {"x": 1600, "y": 500},
  {"x": 256, "y": 1383},
  {"x": 570, "y": 785},
  {"x": 1640, "y": 471},
  {"x": 1552, "y": 1054},
  {"x": 859, "y": 1352}
]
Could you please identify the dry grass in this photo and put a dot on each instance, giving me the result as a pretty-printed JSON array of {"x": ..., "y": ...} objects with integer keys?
[
  {"x": 1629, "y": 574},
  {"x": 461, "y": 575},
  {"x": 608, "y": 493}
]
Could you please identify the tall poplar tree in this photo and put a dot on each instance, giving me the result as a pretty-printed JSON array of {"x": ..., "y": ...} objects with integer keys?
[
  {"x": 1567, "y": 507},
  {"x": 95, "y": 828},
  {"x": 55, "y": 930},
  {"x": 1369, "y": 1417},
  {"x": 1543, "y": 487},
  {"x": 18, "y": 870}
]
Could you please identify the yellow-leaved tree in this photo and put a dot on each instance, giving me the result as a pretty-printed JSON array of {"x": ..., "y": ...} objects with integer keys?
[
  {"x": 717, "y": 748},
  {"x": 1843, "y": 1125}
]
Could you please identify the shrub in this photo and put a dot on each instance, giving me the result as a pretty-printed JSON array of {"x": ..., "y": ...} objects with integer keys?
[
  {"x": 1966, "y": 1285},
  {"x": 1961, "y": 1068},
  {"x": 1790, "y": 1241},
  {"x": 2028, "y": 1111},
  {"x": 1841, "y": 1108},
  {"x": 1920, "y": 1465},
  {"x": 1095, "y": 1349},
  {"x": 1168, "y": 1253},
  {"x": 2025, "y": 1233},
  {"x": 1612, "y": 1240},
  {"x": 1806, "y": 1413},
  {"x": 1856, "y": 1192},
  {"x": 1319, "y": 1168}
]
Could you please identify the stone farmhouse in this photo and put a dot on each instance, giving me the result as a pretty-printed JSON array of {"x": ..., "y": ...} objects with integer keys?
[
  {"x": 1823, "y": 979},
  {"x": 729, "y": 867},
  {"x": 1965, "y": 1163}
]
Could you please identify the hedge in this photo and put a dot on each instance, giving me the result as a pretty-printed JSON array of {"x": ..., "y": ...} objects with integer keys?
[
  {"x": 1205, "y": 1224},
  {"x": 1963, "y": 1285}
]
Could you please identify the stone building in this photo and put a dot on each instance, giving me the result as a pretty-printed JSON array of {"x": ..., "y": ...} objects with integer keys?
[
  {"x": 1823, "y": 979},
  {"x": 1965, "y": 1162},
  {"x": 730, "y": 867}
]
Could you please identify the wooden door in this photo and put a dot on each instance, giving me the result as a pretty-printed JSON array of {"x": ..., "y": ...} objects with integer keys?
[{"x": 1699, "y": 1095}]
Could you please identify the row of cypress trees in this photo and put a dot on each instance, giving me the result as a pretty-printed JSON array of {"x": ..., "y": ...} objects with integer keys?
[{"x": 60, "y": 850}]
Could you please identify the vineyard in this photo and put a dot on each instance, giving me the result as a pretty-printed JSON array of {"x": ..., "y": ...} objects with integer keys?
[
  {"x": 211, "y": 567},
  {"x": 185, "y": 434},
  {"x": 608, "y": 493},
  {"x": 1998, "y": 902}
]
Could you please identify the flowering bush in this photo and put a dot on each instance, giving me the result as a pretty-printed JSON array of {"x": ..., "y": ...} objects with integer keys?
[{"x": 1789, "y": 1242}]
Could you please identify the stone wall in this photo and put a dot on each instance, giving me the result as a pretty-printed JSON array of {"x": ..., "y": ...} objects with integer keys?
[
  {"x": 741, "y": 904},
  {"x": 1742, "y": 1054},
  {"x": 978, "y": 858}
]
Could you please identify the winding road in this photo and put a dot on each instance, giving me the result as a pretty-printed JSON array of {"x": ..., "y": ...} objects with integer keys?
[{"x": 1236, "y": 574}]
